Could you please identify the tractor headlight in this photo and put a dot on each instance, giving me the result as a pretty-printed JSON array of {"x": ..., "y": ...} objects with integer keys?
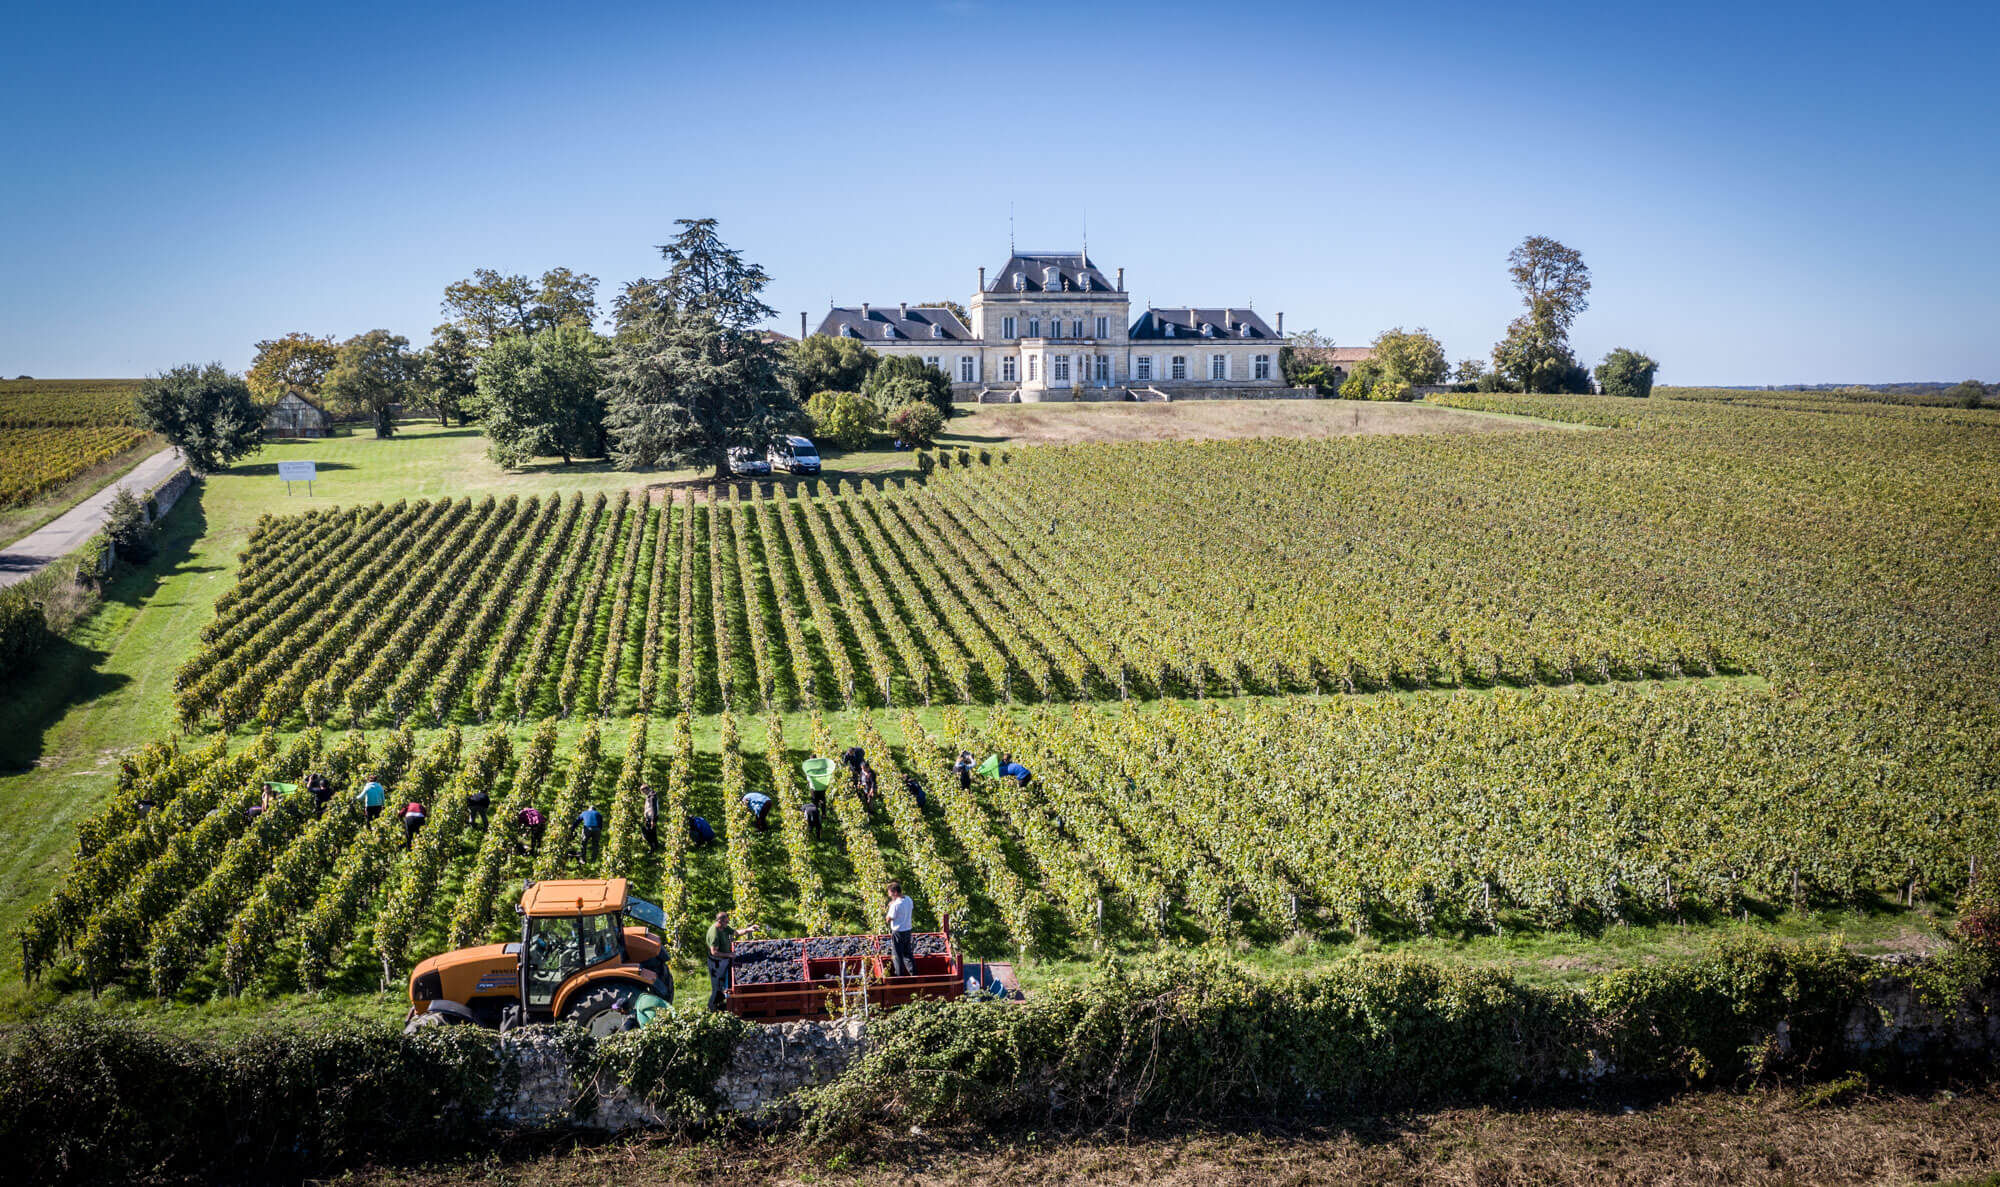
[{"x": 427, "y": 987}]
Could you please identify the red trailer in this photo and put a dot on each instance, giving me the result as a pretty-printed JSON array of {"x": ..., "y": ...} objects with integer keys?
[{"x": 782, "y": 980}]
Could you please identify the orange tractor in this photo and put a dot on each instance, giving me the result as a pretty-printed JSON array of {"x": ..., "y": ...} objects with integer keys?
[{"x": 576, "y": 961}]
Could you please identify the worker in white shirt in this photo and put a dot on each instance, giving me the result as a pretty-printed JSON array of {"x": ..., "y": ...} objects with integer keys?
[{"x": 902, "y": 956}]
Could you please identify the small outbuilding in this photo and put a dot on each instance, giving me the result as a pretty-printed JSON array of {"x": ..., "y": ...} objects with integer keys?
[{"x": 295, "y": 416}]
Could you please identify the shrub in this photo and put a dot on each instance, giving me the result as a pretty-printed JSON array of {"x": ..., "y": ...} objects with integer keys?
[
  {"x": 906, "y": 377},
  {"x": 1626, "y": 373},
  {"x": 916, "y": 423},
  {"x": 24, "y": 631},
  {"x": 849, "y": 420},
  {"x": 128, "y": 527}
]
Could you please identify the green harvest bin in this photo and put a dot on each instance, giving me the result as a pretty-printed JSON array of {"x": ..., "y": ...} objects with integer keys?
[
  {"x": 819, "y": 772},
  {"x": 991, "y": 767}
]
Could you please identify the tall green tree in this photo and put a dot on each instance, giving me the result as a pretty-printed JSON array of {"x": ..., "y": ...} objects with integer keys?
[
  {"x": 207, "y": 413},
  {"x": 823, "y": 363},
  {"x": 446, "y": 375},
  {"x": 1626, "y": 373},
  {"x": 543, "y": 396},
  {"x": 690, "y": 377},
  {"x": 373, "y": 374},
  {"x": 296, "y": 362},
  {"x": 1411, "y": 356},
  {"x": 489, "y": 305},
  {"x": 900, "y": 378},
  {"x": 1554, "y": 283}
]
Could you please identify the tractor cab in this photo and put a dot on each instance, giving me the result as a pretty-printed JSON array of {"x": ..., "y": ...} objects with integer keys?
[{"x": 577, "y": 961}]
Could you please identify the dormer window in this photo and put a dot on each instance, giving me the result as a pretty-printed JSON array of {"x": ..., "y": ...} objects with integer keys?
[
  {"x": 937, "y": 331},
  {"x": 888, "y": 331},
  {"x": 849, "y": 332},
  {"x": 1083, "y": 281},
  {"x": 1020, "y": 283},
  {"x": 1051, "y": 276},
  {"x": 1208, "y": 329},
  {"x": 1170, "y": 329},
  {"x": 1244, "y": 330}
]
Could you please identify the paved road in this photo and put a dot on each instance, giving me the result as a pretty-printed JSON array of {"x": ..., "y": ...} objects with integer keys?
[{"x": 67, "y": 532}]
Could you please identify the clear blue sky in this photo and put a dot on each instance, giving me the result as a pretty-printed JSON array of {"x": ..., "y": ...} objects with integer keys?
[{"x": 1765, "y": 192}]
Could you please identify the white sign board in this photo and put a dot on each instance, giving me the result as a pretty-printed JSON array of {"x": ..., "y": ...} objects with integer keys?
[{"x": 291, "y": 472}]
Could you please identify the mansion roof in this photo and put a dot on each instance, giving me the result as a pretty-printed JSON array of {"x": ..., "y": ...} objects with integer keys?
[
  {"x": 1073, "y": 273},
  {"x": 924, "y": 323},
  {"x": 1188, "y": 323}
]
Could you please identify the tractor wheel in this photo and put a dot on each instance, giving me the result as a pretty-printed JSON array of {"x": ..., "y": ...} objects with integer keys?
[{"x": 606, "y": 1010}]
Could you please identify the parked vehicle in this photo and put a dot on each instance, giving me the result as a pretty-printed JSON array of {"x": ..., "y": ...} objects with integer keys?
[
  {"x": 795, "y": 455},
  {"x": 745, "y": 464},
  {"x": 576, "y": 962}
]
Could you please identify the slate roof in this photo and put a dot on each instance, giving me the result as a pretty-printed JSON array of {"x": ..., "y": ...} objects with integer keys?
[
  {"x": 1069, "y": 266},
  {"x": 1350, "y": 354},
  {"x": 1187, "y": 323},
  {"x": 877, "y": 323}
]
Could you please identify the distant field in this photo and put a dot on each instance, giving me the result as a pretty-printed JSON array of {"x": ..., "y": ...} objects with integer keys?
[
  {"x": 56, "y": 431},
  {"x": 1213, "y": 420}
]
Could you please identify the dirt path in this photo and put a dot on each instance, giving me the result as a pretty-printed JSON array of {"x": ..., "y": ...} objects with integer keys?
[
  {"x": 1209, "y": 420},
  {"x": 1700, "y": 1138}
]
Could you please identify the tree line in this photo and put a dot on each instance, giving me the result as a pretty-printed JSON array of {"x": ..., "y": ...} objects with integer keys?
[
  {"x": 1534, "y": 355},
  {"x": 682, "y": 378}
]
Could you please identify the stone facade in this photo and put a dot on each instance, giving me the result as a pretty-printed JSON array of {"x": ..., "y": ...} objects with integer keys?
[{"x": 1051, "y": 326}]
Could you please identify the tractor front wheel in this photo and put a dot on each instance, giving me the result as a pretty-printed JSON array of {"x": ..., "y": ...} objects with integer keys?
[
  {"x": 606, "y": 1010},
  {"x": 425, "y": 1021}
]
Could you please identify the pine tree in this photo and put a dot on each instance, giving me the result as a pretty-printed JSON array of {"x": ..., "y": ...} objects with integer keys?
[{"x": 690, "y": 376}]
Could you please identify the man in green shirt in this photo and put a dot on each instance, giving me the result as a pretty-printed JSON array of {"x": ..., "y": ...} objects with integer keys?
[{"x": 721, "y": 946}]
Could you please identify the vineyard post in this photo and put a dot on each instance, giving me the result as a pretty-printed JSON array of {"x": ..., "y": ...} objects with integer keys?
[{"x": 1097, "y": 939}]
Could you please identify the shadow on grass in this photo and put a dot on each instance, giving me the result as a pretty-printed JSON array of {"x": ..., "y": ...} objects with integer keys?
[
  {"x": 270, "y": 469},
  {"x": 67, "y": 673}
]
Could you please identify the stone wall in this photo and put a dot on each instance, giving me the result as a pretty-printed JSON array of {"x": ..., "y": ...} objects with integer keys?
[
  {"x": 161, "y": 499},
  {"x": 771, "y": 1064},
  {"x": 768, "y": 1066}
]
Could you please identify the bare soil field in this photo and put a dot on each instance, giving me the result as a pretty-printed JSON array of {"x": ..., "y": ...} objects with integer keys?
[
  {"x": 1210, "y": 420},
  {"x": 1777, "y": 1136}
]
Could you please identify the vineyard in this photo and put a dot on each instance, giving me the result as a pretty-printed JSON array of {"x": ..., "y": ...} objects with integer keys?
[
  {"x": 1172, "y": 823},
  {"x": 1323, "y": 688},
  {"x": 53, "y": 430}
]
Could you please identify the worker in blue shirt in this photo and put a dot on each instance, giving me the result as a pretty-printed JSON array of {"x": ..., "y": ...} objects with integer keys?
[
  {"x": 593, "y": 831},
  {"x": 1015, "y": 771},
  {"x": 699, "y": 832},
  {"x": 759, "y": 806},
  {"x": 373, "y": 797}
]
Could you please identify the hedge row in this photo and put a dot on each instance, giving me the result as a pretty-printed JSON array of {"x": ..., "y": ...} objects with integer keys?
[{"x": 1179, "y": 1037}]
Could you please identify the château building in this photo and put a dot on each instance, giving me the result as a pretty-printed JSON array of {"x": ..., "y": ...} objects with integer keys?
[{"x": 1050, "y": 326}]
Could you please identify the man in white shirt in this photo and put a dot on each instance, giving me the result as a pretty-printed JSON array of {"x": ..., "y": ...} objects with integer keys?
[{"x": 902, "y": 956}]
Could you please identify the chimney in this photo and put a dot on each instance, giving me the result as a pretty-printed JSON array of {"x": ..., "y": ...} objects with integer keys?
[
  {"x": 904, "y": 308},
  {"x": 982, "y": 280},
  {"x": 864, "y": 311},
  {"x": 1281, "y": 323},
  {"x": 802, "y": 325},
  {"x": 1121, "y": 280},
  {"x": 1228, "y": 320}
]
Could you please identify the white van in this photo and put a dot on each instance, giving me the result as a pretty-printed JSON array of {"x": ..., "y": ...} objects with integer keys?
[{"x": 795, "y": 455}]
